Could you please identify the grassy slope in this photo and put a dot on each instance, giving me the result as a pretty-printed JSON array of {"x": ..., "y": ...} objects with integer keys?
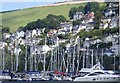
[
  {"x": 22, "y": 17},
  {"x": 19, "y": 18}
]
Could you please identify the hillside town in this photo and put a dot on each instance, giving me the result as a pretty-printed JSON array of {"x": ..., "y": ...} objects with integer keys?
[{"x": 64, "y": 49}]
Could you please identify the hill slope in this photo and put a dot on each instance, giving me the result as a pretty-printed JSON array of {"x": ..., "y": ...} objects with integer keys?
[{"x": 19, "y": 18}]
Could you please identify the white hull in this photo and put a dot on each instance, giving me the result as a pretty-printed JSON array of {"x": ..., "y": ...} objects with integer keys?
[
  {"x": 2, "y": 77},
  {"x": 109, "y": 78}
]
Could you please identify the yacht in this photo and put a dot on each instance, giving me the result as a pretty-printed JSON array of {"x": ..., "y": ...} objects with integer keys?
[
  {"x": 97, "y": 74},
  {"x": 4, "y": 75}
]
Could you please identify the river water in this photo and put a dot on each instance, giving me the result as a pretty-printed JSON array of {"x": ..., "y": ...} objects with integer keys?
[{"x": 47, "y": 82}]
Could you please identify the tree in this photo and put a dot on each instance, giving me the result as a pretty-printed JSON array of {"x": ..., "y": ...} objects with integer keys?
[
  {"x": 77, "y": 22},
  {"x": 50, "y": 22},
  {"x": 103, "y": 7},
  {"x": 20, "y": 28},
  {"x": 61, "y": 18},
  {"x": 72, "y": 11},
  {"x": 110, "y": 31},
  {"x": 91, "y": 7},
  {"x": 98, "y": 17},
  {"x": 5, "y": 29},
  {"x": 81, "y": 9}
]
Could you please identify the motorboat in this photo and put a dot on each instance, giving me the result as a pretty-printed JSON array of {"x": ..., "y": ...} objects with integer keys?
[{"x": 96, "y": 74}]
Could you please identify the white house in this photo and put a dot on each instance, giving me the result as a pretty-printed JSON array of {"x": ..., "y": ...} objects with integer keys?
[
  {"x": 81, "y": 27},
  {"x": 105, "y": 25},
  {"x": 89, "y": 27},
  {"x": 106, "y": 20},
  {"x": 67, "y": 26},
  {"x": 108, "y": 39},
  {"x": 87, "y": 20},
  {"x": 78, "y": 16},
  {"x": 22, "y": 34},
  {"x": 61, "y": 32},
  {"x": 114, "y": 22},
  {"x": 6, "y": 35},
  {"x": 34, "y": 32},
  {"x": 109, "y": 12}
]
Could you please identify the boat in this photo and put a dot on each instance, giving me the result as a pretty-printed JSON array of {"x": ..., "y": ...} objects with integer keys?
[
  {"x": 4, "y": 75},
  {"x": 97, "y": 74}
]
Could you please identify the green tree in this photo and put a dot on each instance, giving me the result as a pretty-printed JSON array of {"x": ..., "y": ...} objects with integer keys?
[
  {"x": 103, "y": 7},
  {"x": 72, "y": 11},
  {"x": 61, "y": 18},
  {"x": 5, "y": 29},
  {"x": 92, "y": 7},
  {"x": 98, "y": 17},
  {"x": 81, "y": 9},
  {"x": 77, "y": 22},
  {"x": 20, "y": 28},
  {"x": 50, "y": 22}
]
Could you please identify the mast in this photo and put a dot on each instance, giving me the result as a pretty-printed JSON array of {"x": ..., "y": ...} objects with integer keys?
[
  {"x": 68, "y": 57},
  {"x": 102, "y": 57},
  {"x": 26, "y": 52},
  {"x": 78, "y": 49},
  {"x": 51, "y": 66},
  {"x": 83, "y": 59},
  {"x": 44, "y": 62},
  {"x": 3, "y": 54},
  {"x": 17, "y": 61},
  {"x": 87, "y": 54},
  {"x": 11, "y": 58},
  {"x": 31, "y": 56},
  {"x": 17, "y": 55},
  {"x": 35, "y": 58},
  {"x": 44, "y": 57},
  {"x": 92, "y": 58},
  {"x": 73, "y": 64},
  {"x": 64, "y": 65},
  {"x": 58, "y": 58}
]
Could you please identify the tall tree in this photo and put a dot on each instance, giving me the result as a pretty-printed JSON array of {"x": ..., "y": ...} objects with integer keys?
[
  {"x": 72, "y": 11},
  {"x": 98, "y": 17},
  {"x": 92, "y": 7},
  {"x": 5, "y": 29}
]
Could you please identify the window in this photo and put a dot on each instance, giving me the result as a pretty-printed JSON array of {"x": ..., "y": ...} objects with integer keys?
[
  {"x": 113, "y": 78},
  {"x": 96, "y": 73},
  {"x": 93, "y": 74},
  {"x": 99, "y": 72}
]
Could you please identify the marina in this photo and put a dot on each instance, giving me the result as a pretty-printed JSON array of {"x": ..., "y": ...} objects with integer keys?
[
  {"x": 84, "y": 49},
  {"x": 70, "y": 64}
]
